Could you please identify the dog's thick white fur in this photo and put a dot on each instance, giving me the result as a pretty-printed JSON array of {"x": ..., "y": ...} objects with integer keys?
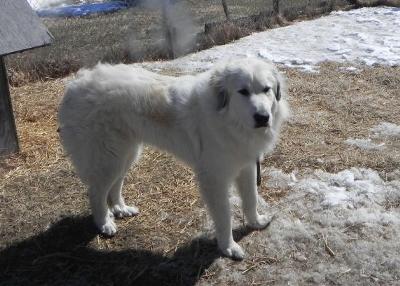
[{"x": 219, "y": 122}]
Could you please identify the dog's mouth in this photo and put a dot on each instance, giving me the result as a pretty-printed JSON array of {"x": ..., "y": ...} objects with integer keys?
[{"x": 261, "y": 125}]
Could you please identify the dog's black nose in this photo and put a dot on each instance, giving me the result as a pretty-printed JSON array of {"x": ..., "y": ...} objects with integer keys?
[{"x": 261, "y": 120}]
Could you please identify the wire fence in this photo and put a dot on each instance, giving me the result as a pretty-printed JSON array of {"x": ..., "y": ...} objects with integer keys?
[
  {"x": 233, "y": 9},
  {"x": 224, "y": 20},
  {"x": 155, "y": 29}
]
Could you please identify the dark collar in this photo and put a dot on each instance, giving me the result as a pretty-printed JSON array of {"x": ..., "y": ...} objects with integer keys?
[{"x": 258, "y": 173}]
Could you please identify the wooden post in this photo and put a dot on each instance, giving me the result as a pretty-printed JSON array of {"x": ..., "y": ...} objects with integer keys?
[
  {"x": 275, "y": 6},
  {"x": 169, "y": 29},
  {"x": 226, "y": 11},
  {"x": 8, "y": 132}
]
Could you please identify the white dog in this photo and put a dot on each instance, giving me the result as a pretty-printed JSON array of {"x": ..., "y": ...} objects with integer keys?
[{"x": 219, "y": 122}]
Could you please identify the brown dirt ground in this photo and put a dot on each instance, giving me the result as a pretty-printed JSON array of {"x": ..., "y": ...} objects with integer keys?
[{"x": 46, "y": 230}]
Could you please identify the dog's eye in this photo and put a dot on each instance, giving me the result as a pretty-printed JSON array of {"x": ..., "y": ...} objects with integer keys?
[
  {"x": 244, "y": 92},
  {"x": 266, "y": 89}
]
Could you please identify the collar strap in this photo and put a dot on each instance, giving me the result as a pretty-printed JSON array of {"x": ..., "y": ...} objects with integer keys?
[{"x": 258, "y": 173}]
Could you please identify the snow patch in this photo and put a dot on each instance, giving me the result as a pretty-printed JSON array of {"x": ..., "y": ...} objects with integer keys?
[
  {"x": 382, "y": 130},
  {"x": 354, "y": 212},
  {"x": 45, "y": 4},
  {"x": 348, "y": 188},
  {"x": 350, "y": 69},
  {"x": 386, "y": 129},
  {"x": 365, "y": 144},
  {"x": 367, "y": 36}
]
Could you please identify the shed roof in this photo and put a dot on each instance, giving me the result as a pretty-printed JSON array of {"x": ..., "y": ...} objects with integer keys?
[{"x": 20, "y": 28}]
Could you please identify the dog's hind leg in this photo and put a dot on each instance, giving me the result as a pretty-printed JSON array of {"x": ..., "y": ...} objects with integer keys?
[
  {"x": 247, "y": 188},
  {"x": 115, "y": 199},
  {"x": 98, "y": 203},
  {"x": 117, "y": 203},
  {"x": 109, "y": 162}
]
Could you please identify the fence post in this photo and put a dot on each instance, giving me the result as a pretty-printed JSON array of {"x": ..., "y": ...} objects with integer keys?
[
  {"x": 169, "y": 30},
  {"x": 225, "y": 6},
  {"x": 275, "y": 6},
  {"x": 8, "y": 132}
]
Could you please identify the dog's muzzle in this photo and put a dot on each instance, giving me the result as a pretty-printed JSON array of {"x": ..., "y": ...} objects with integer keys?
[{"x": 261, "y": 120}]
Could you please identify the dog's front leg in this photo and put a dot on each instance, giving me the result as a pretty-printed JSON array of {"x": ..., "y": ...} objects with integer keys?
[
  {"x": 214, "y": 191},
  {"x": 247, "y": 187}
]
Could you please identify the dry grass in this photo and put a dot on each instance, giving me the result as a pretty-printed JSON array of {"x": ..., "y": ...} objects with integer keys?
[
  {"x": 346, "y": 107},
  {"x": 374, "y": 3},
  {"x": 46, "y": 230}
]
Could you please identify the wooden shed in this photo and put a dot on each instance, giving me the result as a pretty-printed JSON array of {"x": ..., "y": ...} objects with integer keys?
[{"x": 20, "y": 30}]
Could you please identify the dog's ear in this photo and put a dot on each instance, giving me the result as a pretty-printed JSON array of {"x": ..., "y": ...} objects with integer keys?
[
  {"x": 278, "y": 91},
  {"x": 222, "y": 99},
  {"x": 281, "y": 88},
  {"x": 218, "y": 87}
]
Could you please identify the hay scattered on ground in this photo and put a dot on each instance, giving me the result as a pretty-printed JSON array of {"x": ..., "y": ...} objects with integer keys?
[
  {"x": 333, "y": 106},
  {"x": 45, "y": 229}
]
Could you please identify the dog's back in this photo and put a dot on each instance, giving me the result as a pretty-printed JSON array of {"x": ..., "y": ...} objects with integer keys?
[{"x": 107, "y": 104}]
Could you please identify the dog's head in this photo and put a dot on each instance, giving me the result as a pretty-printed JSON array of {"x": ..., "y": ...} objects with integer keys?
[{"x": 249, "y": 92}]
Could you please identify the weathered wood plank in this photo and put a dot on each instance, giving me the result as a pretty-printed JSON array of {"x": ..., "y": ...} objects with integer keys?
[
  {"x": 275, "y": 5},
  {"x": 8, "y": 133},
  {"x": 169, "y": 29},
  {"x": 226, "y": 10},
  {"x": 20, "y": 27}
]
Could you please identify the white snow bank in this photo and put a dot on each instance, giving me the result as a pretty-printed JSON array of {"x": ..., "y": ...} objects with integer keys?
[
  {"x": 43, "y": 4},
  {"x": 354, "y": 212},
  {"x": 368, "y": 36}
]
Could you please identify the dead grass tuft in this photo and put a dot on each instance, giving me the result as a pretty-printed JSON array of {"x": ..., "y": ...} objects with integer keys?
[
  {"x": 223, "y": 34},
  {"x": 374, "y": 3}
]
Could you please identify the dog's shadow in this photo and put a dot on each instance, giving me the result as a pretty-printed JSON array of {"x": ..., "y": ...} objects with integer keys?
[{"x": 61, "y": 256}]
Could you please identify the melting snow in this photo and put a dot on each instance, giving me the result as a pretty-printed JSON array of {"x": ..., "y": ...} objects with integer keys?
[
  {"x": 367, "y": 36},
  {"x": 354, "y": 212},
  {"x": 386, "y": 129},
  {"x": 365, "y": 144},
  {"x": 348, "y": 188},
  {"x": 382, "y": 130}
]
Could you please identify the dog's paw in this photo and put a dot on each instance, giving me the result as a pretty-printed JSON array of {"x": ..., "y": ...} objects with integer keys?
[
  {"x": 124, "y": 211},
  {"x": 234, "y": 251},
  {"x": 110, "y": 214},
  {"x": 261, "y": 222},
  {"x": 109, "y": 228}
]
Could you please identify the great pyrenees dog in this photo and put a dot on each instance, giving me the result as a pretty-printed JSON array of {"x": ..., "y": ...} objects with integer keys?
[{"x": 220, "y": 123}]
